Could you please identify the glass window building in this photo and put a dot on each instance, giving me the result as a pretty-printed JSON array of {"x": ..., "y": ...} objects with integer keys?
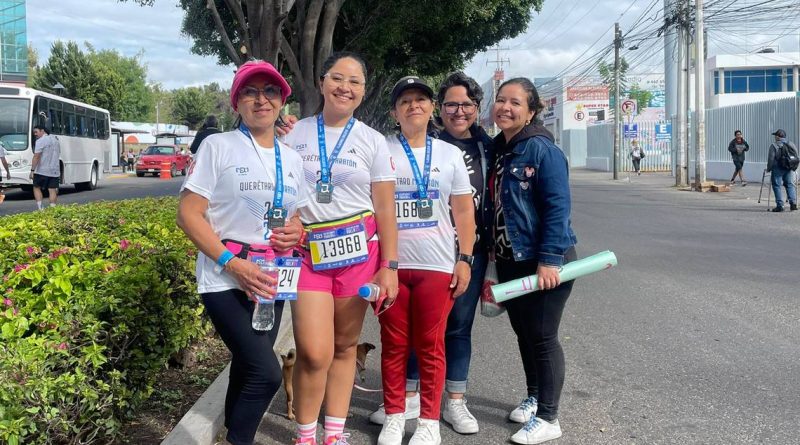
[{"x": 13, "y": 42}]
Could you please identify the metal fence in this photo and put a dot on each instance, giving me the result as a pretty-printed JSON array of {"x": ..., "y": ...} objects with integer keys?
[{"x": 756, "y": 120}]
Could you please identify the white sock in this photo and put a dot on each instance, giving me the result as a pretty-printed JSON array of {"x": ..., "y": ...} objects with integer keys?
[
  {"x": 52, "y": 204},
  {"x": 39, "y": 205}
]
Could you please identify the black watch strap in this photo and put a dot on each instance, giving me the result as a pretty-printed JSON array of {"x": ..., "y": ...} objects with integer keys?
[{"x": 469, "y": 259}]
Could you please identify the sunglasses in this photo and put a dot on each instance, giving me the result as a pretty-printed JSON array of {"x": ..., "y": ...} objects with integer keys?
[{"x": 271, "y": 92}]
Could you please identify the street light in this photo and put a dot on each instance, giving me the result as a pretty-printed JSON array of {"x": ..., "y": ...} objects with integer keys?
[{"x": 59, "y": 89}]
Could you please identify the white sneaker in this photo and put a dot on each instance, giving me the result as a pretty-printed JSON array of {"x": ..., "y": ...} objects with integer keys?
[
  {"x": 393, "y": 429},
  {"x": 427, "y": 433},
  {"x": 537, "y": 431},
  {"x": 457, "y": 414},
  {"x": 524, "y": 411},
  {"x": 411, "y": 412}
]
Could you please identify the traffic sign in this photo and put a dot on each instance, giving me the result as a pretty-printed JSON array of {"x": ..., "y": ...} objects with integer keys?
[
  {"x": 628, "y": 106},
  {"x": 663, "y": 131},
  {"x": 631, "y": 131},
  {"x": 580, "y": 115}
]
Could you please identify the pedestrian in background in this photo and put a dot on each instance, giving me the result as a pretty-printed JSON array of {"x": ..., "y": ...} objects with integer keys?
[
  {"x": 352, "y": 241},
  {"x": 636, "y": 154},
  {"x": 781, "y": 172},
  {"x": 738, "y": 146},
  {"x": 227, "y": 197},
  {"x": 432, "y": 178},
  {"x": 533, "y": 233},
  {"x": 8, "y": 172},
  {"x": 209, "y": 127},
  {"x": 45, "y": 166},
  {"x": 131, "y": 159}
]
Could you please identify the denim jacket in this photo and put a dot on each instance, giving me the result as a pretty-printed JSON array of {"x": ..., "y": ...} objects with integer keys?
[{"x": 535, "y": 196}]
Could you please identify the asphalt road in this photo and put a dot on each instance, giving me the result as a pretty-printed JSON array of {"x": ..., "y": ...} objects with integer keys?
[
  {"x": 112, "y": 187},
  {"x": 693, "y": 339}
]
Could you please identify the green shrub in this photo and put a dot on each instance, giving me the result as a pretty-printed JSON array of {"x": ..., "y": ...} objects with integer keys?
[{"x": 96, "y": 298}]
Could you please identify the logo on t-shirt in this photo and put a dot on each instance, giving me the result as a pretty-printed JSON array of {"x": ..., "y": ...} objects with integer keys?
[{"x": 242, "y": 171}]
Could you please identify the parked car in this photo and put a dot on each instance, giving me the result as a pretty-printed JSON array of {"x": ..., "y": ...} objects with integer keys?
[{"x": 150, "y": 160}]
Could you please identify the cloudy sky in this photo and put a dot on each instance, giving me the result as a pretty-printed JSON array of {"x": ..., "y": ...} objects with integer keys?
[{"x": 563, "y": 31}]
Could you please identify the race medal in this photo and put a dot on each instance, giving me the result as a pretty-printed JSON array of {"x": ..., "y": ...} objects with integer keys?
[
  {"x": 424, "y": 208},
  {"x": 277, "y": 218},
  {"x": 324, "y": 192}
]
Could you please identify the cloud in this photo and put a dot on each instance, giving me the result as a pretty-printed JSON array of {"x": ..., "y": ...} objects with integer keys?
[{"x": 129, "y": 29}]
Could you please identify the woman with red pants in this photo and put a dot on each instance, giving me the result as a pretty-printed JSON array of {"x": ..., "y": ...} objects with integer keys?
[{"x": 431, "y": 178}]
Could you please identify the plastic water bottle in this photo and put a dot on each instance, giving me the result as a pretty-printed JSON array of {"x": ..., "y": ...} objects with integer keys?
[
  {"x": 264, "y": 313},
  {"x": 369, "y": 292}
]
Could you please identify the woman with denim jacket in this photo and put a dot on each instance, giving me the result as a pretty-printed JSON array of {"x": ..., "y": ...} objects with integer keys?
[{"x": 532, "y": 234}]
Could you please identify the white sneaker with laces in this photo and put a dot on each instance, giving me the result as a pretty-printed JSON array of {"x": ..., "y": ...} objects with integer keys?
[
  {"x": 537, "y": 431},
  {"x": 524, "y": 411},
  {"x": 427, "y": 433},
  {"x": 412, "y": 410},
  {"x": 457, "y": 414},
  {"x": 393, "y": 430}
]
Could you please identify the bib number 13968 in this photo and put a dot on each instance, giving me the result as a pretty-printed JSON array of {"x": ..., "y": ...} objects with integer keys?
[{"x": 339, "y": 247}]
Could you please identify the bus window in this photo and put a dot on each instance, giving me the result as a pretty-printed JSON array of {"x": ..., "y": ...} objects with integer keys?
[
  {"x": 14, "y": 123},
  {"x": 72, "y": 122},
  {"x": 93, "y": 128},
  {"x": 82, "y": 129}
]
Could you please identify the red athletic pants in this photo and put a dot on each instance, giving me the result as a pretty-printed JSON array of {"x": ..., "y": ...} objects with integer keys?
[{"x": 417, "y": 319}]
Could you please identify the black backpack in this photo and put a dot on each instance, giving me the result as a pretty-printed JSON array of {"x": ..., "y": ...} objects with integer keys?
[{"x": 787, "y": 156}]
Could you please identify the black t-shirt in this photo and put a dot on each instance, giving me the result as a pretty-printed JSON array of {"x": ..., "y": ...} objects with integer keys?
[
  {"x": 502, "y": 242},
  {"x": 471, "y": 150}
]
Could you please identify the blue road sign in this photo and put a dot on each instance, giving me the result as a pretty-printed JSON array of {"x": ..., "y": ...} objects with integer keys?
[
  {"x": 631, "y": 131},
  {"x": 664, "y": 131}
]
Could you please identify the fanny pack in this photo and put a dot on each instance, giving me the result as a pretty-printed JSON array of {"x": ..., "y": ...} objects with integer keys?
[
  {"x": 341, "y": 242},
  {"x": 288, "y": 266}
]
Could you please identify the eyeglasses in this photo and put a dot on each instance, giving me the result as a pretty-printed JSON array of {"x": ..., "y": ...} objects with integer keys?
[
  {"x": 466, "y": 107},
  {"x": 271, "y": 92},
  {"x": 352, "y": 82}
]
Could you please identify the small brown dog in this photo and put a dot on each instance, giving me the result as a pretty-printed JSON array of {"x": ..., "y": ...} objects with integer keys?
[
  {"x": 362, "y": 350},
  {"x": 288, "y": 368}
]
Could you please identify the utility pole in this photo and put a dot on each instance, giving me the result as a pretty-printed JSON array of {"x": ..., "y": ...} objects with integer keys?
[
  {"x": 680, "y": 129},
  {"x": 499, "y": 74},
  {"x": 700, "y": 100},
  {"x": 617, "y": 110}
]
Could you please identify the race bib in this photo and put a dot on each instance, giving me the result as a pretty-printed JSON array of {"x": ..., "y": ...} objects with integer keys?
[
  {"x": 407, "y": 212},
  {"x": 288, "y": 277},
  {"x": 338, "y": 246}
]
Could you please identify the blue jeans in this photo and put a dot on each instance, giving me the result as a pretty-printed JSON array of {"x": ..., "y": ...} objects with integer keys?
[
  {"x": 781, "y": 177},
  {"x": 458, "y": 337}
]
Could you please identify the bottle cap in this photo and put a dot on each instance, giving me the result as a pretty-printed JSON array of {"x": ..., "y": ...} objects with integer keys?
[{"x": 364, "y": 291}]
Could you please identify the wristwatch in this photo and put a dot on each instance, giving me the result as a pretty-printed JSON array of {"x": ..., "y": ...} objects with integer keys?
[
  {"x": 469, "y": 259},
  {"x": 390, "y": 264}
]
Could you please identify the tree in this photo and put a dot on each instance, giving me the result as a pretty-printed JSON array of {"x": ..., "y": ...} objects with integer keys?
[
  {"x": 70, "y": 67},
  {"x": 396, "y": 36},
  {"x": 190, "y": 106},
  {"x": 607, "y": 74},
  {"x": 642, "y": 97},
  {"x": 33, "y": 61}
]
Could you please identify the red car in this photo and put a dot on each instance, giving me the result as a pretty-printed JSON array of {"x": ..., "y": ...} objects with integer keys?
[{"x": 150, "y": 160}]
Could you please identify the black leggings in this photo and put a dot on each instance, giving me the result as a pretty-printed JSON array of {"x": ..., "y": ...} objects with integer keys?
[
  {"x": 535, "y": 319},
  {"x": 255, "y": 372}
]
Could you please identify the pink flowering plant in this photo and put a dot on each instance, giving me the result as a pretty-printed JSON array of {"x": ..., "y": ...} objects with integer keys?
[{"x": 95, "y": 300}]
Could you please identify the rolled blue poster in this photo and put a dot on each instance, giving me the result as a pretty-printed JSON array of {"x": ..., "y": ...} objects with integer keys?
[{"x": 570, "y": 271}]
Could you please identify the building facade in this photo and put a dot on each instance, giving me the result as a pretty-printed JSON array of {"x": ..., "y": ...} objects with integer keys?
[
  {"x": 13, "y": 42},
  {"x": 733, "y": 79}
]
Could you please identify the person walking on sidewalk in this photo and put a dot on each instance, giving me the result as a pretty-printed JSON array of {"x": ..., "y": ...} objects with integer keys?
[
  {"x": 45, "y": 166},
  {"x": 7, "y": 175},
  {"x": 431, "y": 179},
  {"x": 352, "y": 240},
  {"x": 738, "y": 146},
  {"x": 782, "y": 169},
  {"x": 459, "y": 97},
  {"x": 533, "y": 233},
  {"x": 636, "y": 154},
  {"x": 237, "y": 197}
]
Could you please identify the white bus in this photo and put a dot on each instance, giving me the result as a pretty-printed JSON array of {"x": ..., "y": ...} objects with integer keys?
[{"x": 82, "y": 131}]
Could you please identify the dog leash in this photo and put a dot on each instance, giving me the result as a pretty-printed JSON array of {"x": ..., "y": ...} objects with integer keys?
[{"x": 360, "y": 366}]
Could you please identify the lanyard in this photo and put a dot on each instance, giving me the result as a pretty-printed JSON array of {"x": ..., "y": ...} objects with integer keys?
[
  {"x": 325, "y": 163},
  {"x": 277, "y": 202},
  {"x": 422, "y": 181}
]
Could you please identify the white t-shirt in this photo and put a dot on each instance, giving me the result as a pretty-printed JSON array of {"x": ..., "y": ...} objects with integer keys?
[
  {"x": 364, "y": 159},
  {"x": 3, "y": 152},
  {"x": 50, "y": 149},
  {"x": 238, "y": 181},
  {"x": 421, "y": 243}
]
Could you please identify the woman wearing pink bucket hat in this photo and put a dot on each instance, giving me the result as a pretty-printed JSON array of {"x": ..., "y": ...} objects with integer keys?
[{"x": 241, "y": 190}]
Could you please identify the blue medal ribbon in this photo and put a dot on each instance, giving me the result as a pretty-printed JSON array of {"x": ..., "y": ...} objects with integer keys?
[
  {"x": 421, "y": 178},
  {"x": 277, "y": 201},
  {"x": 326, "y": 164}
]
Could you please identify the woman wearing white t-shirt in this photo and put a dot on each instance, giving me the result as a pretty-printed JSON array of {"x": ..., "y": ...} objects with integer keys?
[
  {"x": 431, "y": 179},
  {"x": 241, "y": 188},
  {"x": 350, "y": 179}
]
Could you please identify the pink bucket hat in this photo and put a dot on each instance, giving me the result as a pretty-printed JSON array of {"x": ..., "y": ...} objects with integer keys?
[{"x": 250, "y": 69}]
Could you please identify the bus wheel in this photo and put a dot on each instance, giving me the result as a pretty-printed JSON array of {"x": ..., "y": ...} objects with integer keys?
[{"x": 92, "y": 183}]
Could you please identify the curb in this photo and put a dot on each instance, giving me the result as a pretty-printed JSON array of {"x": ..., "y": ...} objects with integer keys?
[{"x": 204, "y": 421}]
